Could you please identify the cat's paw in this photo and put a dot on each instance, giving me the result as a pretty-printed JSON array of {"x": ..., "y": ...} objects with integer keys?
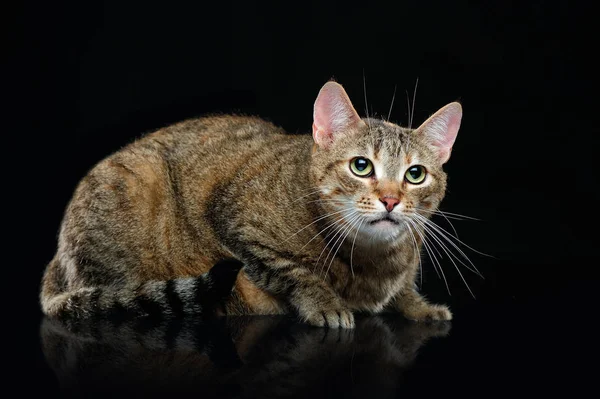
[
  {"x": 331, "y": 317},
  {"x": 427, "y": 312}
]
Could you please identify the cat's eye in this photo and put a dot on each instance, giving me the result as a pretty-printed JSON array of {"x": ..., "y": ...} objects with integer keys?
[
  {"x": 361, "y": 167},
  {"x": 415, "y": 174}
]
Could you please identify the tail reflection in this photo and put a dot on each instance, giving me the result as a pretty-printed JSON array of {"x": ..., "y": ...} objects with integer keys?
[{"x": 242, "y": 357}]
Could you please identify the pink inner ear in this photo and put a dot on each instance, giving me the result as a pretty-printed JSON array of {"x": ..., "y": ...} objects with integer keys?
[
  {"x": 442, "y": 128},
  {"x": 452, "y": 126},
  {"x": 333, "y": 113}
]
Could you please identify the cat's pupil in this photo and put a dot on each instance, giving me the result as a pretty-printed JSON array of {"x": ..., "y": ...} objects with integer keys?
[
  {"x": 415, "y": 172},
  {"x": 361, "y": 164}
]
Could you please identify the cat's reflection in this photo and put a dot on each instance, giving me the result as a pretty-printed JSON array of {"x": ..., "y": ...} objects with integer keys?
[{"x": 241, "y": 357}]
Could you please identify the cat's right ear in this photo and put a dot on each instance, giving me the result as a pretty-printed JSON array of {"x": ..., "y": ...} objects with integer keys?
[{"x": 333, "y": 114}]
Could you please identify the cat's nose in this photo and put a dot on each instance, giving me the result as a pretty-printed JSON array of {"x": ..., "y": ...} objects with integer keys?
[{"x": 389, "y": 202}]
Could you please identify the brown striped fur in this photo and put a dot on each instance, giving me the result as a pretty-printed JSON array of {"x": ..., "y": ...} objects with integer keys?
[{"x": 145, "y": 226}]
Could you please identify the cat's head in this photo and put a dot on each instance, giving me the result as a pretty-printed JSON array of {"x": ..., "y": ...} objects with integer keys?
[{"x": 372, "y": 174}]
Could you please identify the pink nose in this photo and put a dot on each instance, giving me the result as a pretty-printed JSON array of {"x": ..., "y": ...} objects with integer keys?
[{"x": 389, "y": 202}]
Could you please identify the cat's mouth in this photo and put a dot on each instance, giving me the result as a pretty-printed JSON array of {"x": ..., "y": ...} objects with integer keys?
[{"x": 384, "y": 220}]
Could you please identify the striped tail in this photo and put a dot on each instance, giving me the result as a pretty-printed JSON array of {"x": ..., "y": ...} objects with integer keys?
[{"x": 203, "y": 295}]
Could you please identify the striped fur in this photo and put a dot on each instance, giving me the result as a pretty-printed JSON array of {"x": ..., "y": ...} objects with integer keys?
[
  {"x": 203, "y": 295},
  {"x": 146, "y": 225}
]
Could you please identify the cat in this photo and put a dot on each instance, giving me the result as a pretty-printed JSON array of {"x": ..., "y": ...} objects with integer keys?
[
  {"x": 321, "y": 226},
  {"x": 241, "y": 357}
]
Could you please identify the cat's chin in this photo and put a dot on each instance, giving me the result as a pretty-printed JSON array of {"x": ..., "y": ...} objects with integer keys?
[
  {"x": 385, "y": 224},
  {"x": 383, "y": 229}
]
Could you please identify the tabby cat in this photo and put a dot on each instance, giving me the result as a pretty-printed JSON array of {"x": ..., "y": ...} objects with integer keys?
[{"x": 319, "y": 226}]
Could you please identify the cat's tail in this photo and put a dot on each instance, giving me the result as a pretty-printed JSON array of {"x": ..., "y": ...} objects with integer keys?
[{"x": 202, "y": 295}]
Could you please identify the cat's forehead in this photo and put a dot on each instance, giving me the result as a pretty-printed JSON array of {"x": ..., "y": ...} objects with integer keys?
[{"x": 388, "y": 140}]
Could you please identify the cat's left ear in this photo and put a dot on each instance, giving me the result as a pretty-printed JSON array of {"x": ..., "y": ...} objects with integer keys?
[{"x": 441, "y": 128}]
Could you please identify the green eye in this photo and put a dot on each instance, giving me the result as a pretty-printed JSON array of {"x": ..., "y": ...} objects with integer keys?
[
  {"x": 415, "y": 174},
  {"x": 361, "y": 167}
]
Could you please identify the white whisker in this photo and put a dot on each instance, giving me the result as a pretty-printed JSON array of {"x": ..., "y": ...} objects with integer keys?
[
  {"x": 450, "y": 223},
  {"x": 449, "y": 214},
  {"x": 321, "y": 232},
  {"x": 435, "y": 229},
  {"x": 306, "y": 195},
  {"x": 320, "y": 218},
  {"x": 416, "y": 246},
  {"x": 450, "y": 235},
  {"x": 340, "y": 239},
  {"x": 392, "y": 104},
  {"x": 412, "y": 114},
  {"x": 353, "y": 242},
  {"x": 408, "y": 107},
  {"x": 329, "y": 201},
  {"x": 345, "y": 234},
  {"x": 429, "y": 248},
  {"x": 335, "y": 232},
  {"x": 450, "y": 257},
  {"x": 432, "y": 256},
  {"x": 366, "y": 104}
]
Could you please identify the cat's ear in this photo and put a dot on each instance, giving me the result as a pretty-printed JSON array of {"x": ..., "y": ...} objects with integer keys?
[
  {"x": 441, "y": 128},
  {"x": 333, "y": 114}
]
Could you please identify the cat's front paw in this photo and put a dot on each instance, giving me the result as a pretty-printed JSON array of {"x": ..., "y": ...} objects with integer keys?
[
  {"x": 334, "y": 317},
  {"x": 426, "y": 312}
]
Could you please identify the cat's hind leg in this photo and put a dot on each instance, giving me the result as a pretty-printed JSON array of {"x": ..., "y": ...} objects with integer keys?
[{"x": 247, "y": 299}]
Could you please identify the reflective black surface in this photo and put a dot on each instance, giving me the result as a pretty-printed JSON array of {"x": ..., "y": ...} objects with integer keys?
[
  {"x": 237, "y": 357},
  {"x": 247, "y": 357}
]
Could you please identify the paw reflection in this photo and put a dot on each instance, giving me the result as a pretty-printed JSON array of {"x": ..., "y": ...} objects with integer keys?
[{"x": 233, "y": 357}]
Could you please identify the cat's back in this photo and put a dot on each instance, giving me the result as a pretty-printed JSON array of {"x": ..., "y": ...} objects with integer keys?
[
  {"x": 190, "y": 156},
  {"x": 213, "y": 134},
  {"x": 203, "y": 149},
  {"x": 204, "y": 153}
]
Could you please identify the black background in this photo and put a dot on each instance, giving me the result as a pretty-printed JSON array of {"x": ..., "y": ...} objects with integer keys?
[{"x": 87, "y": 78}]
